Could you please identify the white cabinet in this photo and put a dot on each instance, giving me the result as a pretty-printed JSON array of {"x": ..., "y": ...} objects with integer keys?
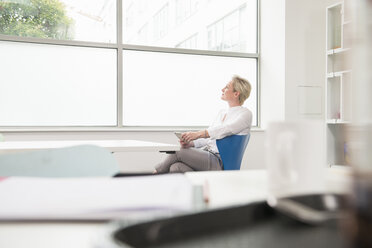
[{"x": 338, "y": 82}]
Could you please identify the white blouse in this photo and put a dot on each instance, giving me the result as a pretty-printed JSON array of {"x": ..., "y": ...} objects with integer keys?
[{"x": 235, "y": 120}]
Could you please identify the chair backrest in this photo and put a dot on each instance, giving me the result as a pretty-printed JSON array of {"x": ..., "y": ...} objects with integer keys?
[
  {"x": 76, "y": 161},
  {"x": 231, "y": 150}
]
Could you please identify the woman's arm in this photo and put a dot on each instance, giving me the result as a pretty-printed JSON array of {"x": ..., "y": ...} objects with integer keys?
[
  {"x": 190, "y": 136},
  {"x": 243, "y": 121}
]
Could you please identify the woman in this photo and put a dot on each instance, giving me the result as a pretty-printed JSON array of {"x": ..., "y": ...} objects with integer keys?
[{"x": 199, "y": 151}]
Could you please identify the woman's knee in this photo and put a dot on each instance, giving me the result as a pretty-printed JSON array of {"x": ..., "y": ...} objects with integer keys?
[
  {"x": 183, "y": 152},
  {"x": 179, "y": 168},
  {"x": 175, "y": 168}
]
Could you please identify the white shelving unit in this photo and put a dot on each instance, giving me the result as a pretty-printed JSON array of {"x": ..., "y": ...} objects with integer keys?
[{"x": 338, "y": 82}]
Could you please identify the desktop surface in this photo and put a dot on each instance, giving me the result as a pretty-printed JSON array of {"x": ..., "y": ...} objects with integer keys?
[
  {"x": 227, "y": 189},
  {"x": 111, "y": 145}
]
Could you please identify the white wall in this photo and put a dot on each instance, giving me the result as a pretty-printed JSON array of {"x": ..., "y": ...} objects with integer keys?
[
  {"x": 305, "y": 50},
  {"x": 292, "y": 53},
  {"x": 272, "y": 66}
]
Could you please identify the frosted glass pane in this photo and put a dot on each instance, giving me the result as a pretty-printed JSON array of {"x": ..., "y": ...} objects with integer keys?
[
  {"x": 168, "y": 89},
  {"x": 87, "y": 20},
  {"x": 49, "y": 85},
  {"x": 192, "y": 24}
]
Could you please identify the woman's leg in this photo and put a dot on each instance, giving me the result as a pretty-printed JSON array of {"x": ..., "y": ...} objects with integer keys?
[
  {"x": 165, "y": 165},
  {"x": 179, "y": 167},
  {"x": 197, "y": 159}
]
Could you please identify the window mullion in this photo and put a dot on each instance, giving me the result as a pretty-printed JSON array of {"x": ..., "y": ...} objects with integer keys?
[{"x": 119, "y": 38}]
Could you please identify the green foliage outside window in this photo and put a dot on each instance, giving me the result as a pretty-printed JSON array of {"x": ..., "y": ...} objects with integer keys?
[{"x": 35, "y": 18}]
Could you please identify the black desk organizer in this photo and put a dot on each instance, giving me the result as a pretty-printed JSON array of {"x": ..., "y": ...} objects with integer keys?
[{"x": 253, "y": 225}]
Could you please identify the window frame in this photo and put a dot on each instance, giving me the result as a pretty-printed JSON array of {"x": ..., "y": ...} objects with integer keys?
[{"x": 119, "y": 46}]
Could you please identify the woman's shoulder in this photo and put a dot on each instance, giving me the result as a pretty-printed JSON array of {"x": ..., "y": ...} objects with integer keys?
[
  {"x": 245, "y": 110},
  {"x": 222, "y": 112},
  {"x": 246, "y": 114}
]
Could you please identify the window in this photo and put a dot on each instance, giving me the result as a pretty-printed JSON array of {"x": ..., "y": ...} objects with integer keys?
[
  {"x": 228, "y": 34},
  {"x": 143, "y": 34},
  {"x": 46, "y": 85},
  {"x": 69, "y": 63},
  {"x": 184, "y": 9},
  {"x": 190, "y": 43},
  {"x": 187, "y": 93},
  {"x": 84, "y": 20},
  {"x": 161, "y": 23},
  {"x": 221, "y": 25},
  {"x": 129, "y": 17}
]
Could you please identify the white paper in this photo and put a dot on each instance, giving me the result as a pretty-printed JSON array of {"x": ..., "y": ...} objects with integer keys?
[{"x": 33, "y": 198}]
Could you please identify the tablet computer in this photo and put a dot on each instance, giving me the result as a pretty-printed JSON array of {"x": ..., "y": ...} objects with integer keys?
[{"x": 179, "y": 135}]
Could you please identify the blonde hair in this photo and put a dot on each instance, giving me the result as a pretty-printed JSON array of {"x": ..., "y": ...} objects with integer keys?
[{"x": 242, "y": 86}]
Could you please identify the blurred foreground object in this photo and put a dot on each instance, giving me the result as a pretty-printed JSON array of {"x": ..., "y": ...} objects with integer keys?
[
  {"x": 359, "y": 227},
  {"x": 295, "y": 158}
]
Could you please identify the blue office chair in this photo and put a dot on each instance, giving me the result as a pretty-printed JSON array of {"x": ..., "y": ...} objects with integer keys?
[
  {"x": 76, "y": 161},
  {"x": 231, "y": 150}
]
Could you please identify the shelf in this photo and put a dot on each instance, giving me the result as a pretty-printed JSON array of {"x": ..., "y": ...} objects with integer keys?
[
  {"x": 340, "y": 165},
  {"x": 338, "y": 82},
  {"x": 337, "y": 73},
  {"x": 341, "y": 50},
  {"x": 341, "y": 168},
  {"x": 347, "y": 22},
  {"x": 340, "y": 73},
  {"x": 334, "y": 26},
  {"x": 337, "y": 50},
  {"x": 331, "y": 121},
  {"x": 330, "y": 75},
  {"x": 337, "y": 121}
]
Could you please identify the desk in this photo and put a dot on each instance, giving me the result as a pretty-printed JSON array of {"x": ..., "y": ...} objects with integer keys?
[
  {"x": 226, "y": 188},
  {"x": 111, "y": 145}
]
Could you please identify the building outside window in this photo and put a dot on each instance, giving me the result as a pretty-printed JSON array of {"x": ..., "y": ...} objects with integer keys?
[
  {"x": 228, "y": 34},
  {"x": 143, "y": 34},
  {"x": 189, "y": 43},
  {"x": 161, "y": 23},
  {"x": 184, "y": 9}
]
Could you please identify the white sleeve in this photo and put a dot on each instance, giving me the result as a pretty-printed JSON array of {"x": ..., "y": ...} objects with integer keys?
[
  {"x": 203, "y": 141},
  {"x": 218, "y": 118},
  {"x": 242, "y": 122},
  {"x": 200, "y": 142}
]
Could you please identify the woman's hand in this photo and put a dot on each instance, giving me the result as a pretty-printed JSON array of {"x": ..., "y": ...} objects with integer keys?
[
  {"x": 190, "y": 136},
  {"x": 186, "y": 144}
]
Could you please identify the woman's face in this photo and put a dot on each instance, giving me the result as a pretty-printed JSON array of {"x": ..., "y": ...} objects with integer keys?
[{"x": 228, "y": 92}]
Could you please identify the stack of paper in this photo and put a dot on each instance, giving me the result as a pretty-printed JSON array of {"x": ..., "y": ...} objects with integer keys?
[{"x": 92, "y": 198}]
